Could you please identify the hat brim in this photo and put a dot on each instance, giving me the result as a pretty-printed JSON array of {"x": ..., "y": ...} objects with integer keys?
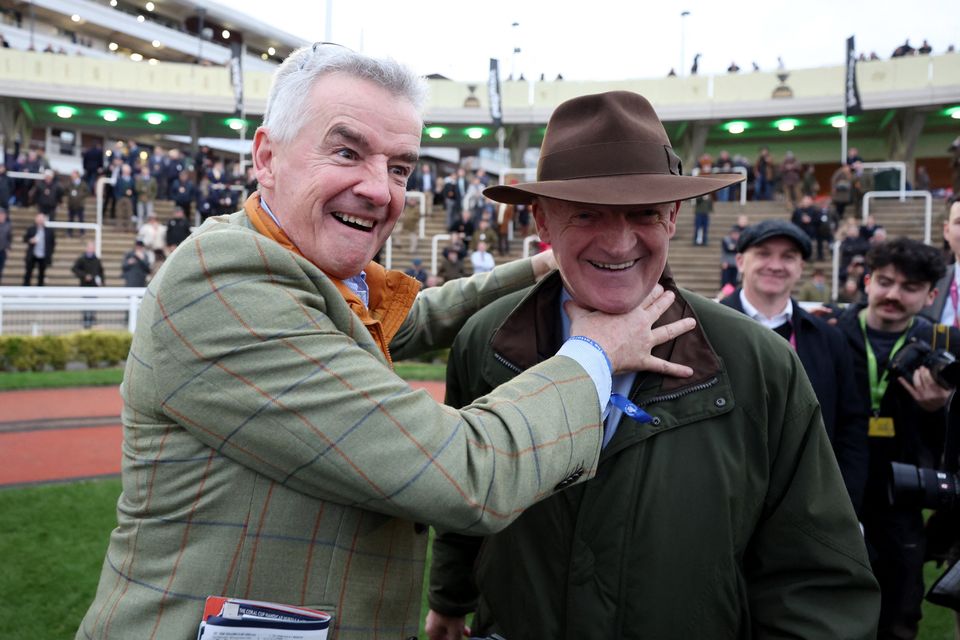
[{"x": 615, "y": 190}]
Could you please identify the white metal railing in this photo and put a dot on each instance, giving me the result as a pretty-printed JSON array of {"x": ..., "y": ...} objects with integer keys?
[
  {"x": 892, "y": 164},
  {"x": 743, "y": 185},
  {"x": 865, "y": 211},
  {"x": 72, "y": 299},
  {"x": 902, "y": 195}
]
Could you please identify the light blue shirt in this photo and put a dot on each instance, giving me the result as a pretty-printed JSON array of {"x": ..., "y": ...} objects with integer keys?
[
  {"x": 599, "y": 371},
  {"x": 357, "y": 284}
]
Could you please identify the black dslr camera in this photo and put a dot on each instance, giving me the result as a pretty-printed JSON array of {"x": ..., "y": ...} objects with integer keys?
[{"x": 941, "y": 363}]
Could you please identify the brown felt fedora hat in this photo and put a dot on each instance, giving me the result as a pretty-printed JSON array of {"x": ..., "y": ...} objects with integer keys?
[{"x": 609, "y": 148}]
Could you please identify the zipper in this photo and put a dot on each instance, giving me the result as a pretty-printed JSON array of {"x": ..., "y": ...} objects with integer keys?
[
  {"x": 680, "y": 392},
  {"x": 507, "y": 363}
]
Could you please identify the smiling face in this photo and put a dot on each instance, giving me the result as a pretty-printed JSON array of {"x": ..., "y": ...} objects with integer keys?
[
  {"x": 770, "y": 271},
  {"x": 610, "y": 257},
  {"x": 338, "y": 187}
]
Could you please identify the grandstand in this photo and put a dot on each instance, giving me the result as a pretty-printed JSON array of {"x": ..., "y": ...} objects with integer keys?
[{"x": 124, "y": 64}]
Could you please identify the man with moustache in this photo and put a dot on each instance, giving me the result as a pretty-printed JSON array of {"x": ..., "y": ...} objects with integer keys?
[
  {"x": 908, "y": 417},
  {"x": 718, "y": 510},
  {"x": 270, "y": 451}
]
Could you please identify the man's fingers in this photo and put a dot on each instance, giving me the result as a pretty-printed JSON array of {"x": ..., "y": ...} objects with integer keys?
[
  {"x": 655, "y": 293},
  {"x": 665, "y": 367},
  {"x": 670, "y": 331}
]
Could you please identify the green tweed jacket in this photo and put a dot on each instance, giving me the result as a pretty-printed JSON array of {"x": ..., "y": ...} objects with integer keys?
[{"x": 270, "y": 453}]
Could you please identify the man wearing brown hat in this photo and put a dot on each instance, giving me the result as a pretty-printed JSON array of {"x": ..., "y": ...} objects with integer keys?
[
  {"x": 717, "y": 509},
  {"x": 770, "y": 256}
]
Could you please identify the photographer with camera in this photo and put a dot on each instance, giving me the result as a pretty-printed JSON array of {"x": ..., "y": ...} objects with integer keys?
[{"x": 905, "y": 367}]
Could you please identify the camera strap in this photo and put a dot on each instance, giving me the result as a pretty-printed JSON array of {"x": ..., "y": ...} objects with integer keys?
[{"x": 878, "y": 383}]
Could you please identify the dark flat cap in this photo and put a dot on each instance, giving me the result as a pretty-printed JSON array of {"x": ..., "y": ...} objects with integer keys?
[{"x": 762, "y": 231}]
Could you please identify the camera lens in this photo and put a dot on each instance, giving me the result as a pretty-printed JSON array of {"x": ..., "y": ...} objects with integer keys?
[{"x": 921, "y": 487}]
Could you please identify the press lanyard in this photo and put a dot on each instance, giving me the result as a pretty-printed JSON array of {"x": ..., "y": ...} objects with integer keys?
[{"x": 878, "y": 386}]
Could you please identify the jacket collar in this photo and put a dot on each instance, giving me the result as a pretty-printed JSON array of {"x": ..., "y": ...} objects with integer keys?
[{"x": 539, "y": 312}]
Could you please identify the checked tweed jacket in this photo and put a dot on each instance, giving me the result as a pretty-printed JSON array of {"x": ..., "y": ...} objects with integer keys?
[{"x": 270, "y": 453}]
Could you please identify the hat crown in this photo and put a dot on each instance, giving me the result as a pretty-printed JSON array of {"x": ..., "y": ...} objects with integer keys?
[
  {"x": 613, "y": 116},
  {"x": 605, "y": 134}
]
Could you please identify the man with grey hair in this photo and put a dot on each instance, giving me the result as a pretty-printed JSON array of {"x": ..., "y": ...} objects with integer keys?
[{"x": 270, "y": 452}]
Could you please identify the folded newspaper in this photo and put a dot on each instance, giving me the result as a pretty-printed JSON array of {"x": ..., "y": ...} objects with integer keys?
[{"x": 235, "y": 619}]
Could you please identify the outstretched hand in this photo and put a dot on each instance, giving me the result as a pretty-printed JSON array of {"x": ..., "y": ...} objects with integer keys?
[{"x": 629, "y": 338}]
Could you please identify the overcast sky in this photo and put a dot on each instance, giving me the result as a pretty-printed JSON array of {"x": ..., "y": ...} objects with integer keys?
[{"x": 612, "y": 39}]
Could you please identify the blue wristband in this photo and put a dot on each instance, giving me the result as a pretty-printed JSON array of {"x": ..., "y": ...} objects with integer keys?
[{"x": 595, "y": 345}]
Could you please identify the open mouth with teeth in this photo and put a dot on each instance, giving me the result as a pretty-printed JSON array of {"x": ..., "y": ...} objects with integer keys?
[
  {"x": 353, "y": 222},
  {"x": 607, "y": 266}
]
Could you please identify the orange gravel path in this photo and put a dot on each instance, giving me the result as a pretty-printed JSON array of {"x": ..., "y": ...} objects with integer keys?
[{"x": 56, "y": 435}]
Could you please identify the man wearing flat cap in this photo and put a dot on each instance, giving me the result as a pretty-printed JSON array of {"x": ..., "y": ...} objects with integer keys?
[
  {"x": 770, "y": 256},
  {"x": 717, "y": 510}
]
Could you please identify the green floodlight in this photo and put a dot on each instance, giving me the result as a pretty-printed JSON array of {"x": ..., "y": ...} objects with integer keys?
[
  {"x": 786, "y": 124},
  {"x": 64, "y": 111},
  {"x": 435, "y": 132},
  {"x": 475, "y": 133},
  {"x": 155, "y": 118},
  {"x": 953, "y": 112},
  {"x": 110, "y": 115},
  {"x": 736, "y": 127},
  {"x": 235, "y": 123}
]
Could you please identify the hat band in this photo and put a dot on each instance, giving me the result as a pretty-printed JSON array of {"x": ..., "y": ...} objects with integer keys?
[{"x": 609, "y": 159}]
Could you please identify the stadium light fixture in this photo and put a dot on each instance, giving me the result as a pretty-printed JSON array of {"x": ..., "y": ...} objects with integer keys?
[
  {"x": 271, "y": 51},
  {"x": 736, "y": 127},
  {"x": 140, "y": 18},
  {"x": 235, "y": 123},
  {"x": 155, "y": 118},
  {"x": 153, "y": 61},
  {"x": 435, "y": 132},
  {"x": 953, "y": 112},
  {"x": 150, "y": 6},
  {"x": 113, "y": 3},
  {"x": 110, "y": 115},
  {"x": 226, "y": 34},
  {"x": 837, "y": 121},
  {"x": 156, "y": 44},
  {"x": 136, "y": 57},
  {"x": 475, "y": 133},
  {"x": 113, "y": 46},
  {"x": 786, "y": 124},
  {"x": 75, "y": 17},
  {"x": 64, "y": 111}
]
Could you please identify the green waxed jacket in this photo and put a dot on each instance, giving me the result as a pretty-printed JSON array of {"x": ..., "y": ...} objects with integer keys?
[
  {"x": 270, "y": 453},
  {"x": 726, "y": 517}
]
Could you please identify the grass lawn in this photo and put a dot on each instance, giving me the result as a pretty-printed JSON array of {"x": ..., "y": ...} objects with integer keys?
[{"x": 15, "y": 380}]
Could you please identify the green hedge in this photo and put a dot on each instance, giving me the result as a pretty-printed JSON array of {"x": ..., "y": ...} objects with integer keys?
[{"x": 93, "y": 348}]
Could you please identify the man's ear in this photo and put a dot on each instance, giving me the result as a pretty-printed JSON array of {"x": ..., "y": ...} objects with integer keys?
[
  {"x": 539, "y": 216},
  {"x": 931, "y": 296},
  {"x": 740, "y": 262},
  {"x": 263, "y": 158}
]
